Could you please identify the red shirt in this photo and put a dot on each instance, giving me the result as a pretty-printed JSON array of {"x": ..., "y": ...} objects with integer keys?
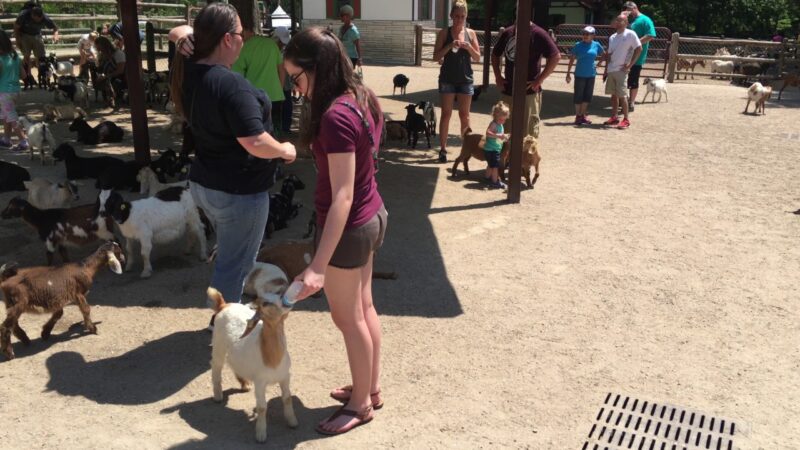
[{"x": 342, "y": 131}]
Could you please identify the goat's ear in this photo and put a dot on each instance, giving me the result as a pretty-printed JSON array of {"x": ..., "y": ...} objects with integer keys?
[{"x": 114, "y": 264}]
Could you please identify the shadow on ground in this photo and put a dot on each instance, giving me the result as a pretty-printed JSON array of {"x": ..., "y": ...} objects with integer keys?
[
  {"x": 146, "y": 374},
  {"x": 229, "y": 428}
]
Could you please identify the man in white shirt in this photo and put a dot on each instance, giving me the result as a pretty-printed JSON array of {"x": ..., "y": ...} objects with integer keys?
[{"x": 624, "y": 49}]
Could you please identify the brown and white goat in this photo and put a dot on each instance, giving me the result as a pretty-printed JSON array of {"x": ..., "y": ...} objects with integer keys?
[
  {"x": 530, "y": 159},
  {"x": 472, "y": 147},
  {"x": 59, "y": 228},
  {"x": 49, "y": 290},
  {"x": 257, "y": 354},
  {"x": 45, "y": 194}
]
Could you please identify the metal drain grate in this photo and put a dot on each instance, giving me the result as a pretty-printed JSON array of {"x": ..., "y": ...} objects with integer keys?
[{"x": 626, "y": 422}]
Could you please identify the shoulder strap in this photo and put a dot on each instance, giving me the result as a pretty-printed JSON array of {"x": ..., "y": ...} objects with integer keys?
[{"x": 365, "y": 124}]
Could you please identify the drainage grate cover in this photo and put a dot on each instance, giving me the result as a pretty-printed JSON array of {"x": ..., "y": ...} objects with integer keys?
[{"x": 626, "y": 422}]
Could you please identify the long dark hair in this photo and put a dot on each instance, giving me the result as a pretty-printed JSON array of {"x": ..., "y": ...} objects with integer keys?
[
  {"x": 5, "y": 45},
  {"x": 318, "y": 51},
  {"x": 105, "y": 47},
  {"x": 210, "y": 26}
]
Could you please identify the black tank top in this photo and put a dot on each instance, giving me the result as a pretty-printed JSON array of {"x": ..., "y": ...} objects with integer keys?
[{"x": 457, "y": 68}]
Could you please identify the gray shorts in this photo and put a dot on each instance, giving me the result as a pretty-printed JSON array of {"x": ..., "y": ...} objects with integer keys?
[
  {"x": 28, "y": 43},
  {"x": 584, "y": 89},
  {"x": 617, "y": 84},
  {"x": 358, "y": 244}
]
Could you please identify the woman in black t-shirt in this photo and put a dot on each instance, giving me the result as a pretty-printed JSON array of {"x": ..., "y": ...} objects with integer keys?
[{"x": 235, "y": 154}]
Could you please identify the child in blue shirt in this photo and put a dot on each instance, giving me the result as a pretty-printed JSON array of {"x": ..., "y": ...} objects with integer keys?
[
  {"x": 586, "y": 52},
  {"x": 495, "y": 137},
  {"x": 10, "y": 74}
]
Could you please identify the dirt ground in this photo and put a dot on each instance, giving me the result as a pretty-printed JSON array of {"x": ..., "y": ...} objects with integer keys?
[{"x": 659, "y": 262}]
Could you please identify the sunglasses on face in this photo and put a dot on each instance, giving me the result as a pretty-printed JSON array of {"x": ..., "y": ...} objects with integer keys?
[{"x": 294, "y": 78}]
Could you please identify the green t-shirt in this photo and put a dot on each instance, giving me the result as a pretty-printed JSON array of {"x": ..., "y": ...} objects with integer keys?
[
  {"x": 643, "y": 26},
  {"x": 258, "y": 63},
  {"x": 9, "y": 73}
]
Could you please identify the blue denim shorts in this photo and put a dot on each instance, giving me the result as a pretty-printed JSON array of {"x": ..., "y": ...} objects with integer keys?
[
  {"x": 456, "y": 88},
  {"x": 492, "y": 159}
]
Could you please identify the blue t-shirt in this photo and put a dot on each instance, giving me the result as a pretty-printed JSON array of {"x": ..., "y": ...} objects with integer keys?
[
  {"x": 9, "y": 73},
  {"x": 586, "y": 56},
  {"x": 349, "y": 38}
]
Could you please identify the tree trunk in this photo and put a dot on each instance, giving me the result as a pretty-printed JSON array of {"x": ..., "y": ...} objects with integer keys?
[{"x": 248, "y": 14}]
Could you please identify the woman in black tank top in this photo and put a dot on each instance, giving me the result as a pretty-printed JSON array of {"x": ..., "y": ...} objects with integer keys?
[{"x": 456, "y": 48}]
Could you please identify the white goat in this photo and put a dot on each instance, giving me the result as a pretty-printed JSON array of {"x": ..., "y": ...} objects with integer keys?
[
  {"x": 255, "y": 350},
  {"x": 149, "y": 184},
  {"x": 45, "y": 194},
  {"x": 759, "y": 94},
  {"x": 65, "y": 68},
  {"x": 155, "y": 220},
  {"x": 66, "y": 111},
  {"x": 38, "y": 135},
  {"x": 658, "y": 86},
  {"x": 718, "y": 66}
]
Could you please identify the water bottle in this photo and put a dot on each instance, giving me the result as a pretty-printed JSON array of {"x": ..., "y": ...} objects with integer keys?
[{"x": 289, "y": 298}]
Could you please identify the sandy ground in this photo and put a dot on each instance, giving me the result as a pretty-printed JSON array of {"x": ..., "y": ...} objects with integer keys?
[{"x": 658, "y": 262}]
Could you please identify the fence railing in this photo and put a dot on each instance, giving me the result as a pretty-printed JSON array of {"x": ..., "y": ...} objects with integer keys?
[{"x": 751, "y": 60}]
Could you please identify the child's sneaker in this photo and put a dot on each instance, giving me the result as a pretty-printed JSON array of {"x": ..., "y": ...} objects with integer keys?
[
  {"x": 585, "y": 120},
  {"x": 612, "y": 121},
  {"x": 498, "y": 185},
  {"x": 579, "y": 120},
  {"x": 624, "y": 124},
  {"x": 21, "y": 146}
]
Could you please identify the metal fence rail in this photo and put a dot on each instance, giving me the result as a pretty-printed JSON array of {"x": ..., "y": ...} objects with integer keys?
[{"x": 743, "y": 60}]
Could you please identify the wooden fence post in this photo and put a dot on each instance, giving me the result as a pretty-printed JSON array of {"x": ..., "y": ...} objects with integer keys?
[
  {"x": 150, "y": 45},
  {"x": 418, "y": 45},
  {"x": 673, "y": 56}
]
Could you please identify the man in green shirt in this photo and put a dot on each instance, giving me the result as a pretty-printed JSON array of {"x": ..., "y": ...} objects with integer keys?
[
  {"x": 261, "y": 63},
  {"x": 646, "y": 31}
]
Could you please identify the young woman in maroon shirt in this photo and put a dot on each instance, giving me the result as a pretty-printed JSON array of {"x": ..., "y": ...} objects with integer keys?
[{"x": 344, "y": 131}]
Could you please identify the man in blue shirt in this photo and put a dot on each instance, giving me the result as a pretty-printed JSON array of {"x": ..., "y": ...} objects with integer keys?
[
  {"x": 646, "y": 31},
  {"x": 28, "y": 32}
]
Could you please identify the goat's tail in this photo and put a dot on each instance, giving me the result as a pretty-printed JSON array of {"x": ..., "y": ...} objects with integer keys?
[{"x": 215, "y": 299}]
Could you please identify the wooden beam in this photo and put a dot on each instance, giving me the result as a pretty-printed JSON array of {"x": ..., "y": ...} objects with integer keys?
[
  {"x": 518, "y": 95},
  {"x": 726, "y": 42},
  {"x": 733, "y": 58},
  {"x": 487, "y": 41},
  {"x": 133, "y": 73}
]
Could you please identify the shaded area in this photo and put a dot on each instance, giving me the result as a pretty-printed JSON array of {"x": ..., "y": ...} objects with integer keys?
[
  {"x": 38, "y": 344},
  {"x": 146, "y": 374},
  {"x": 232, "y": 428}
]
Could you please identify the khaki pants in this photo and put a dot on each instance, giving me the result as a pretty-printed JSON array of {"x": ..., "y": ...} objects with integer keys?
[
  {"x": 28, "y": 44},
  {"x": 533, "y": 106}
]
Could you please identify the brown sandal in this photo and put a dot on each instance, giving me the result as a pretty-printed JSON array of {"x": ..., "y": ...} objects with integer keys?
[
  {"x": 363, "y": 417},
  {"x": 377, "y": 402}
]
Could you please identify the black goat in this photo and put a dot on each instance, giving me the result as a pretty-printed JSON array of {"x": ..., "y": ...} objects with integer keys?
[
  {"x": 28, "y": 82},
  {"x": 165, "y": 165},
  {"x": 120, "y": 177},
  {"x": 415, "y": 124},
  {"x": 477, "y": 91},
  {"x": 105, "y": 131},
  {"x": 78, "y": 168},
  {"x": 281, "y": 206},
  {"x": 46, "y": 70},
  {"x": 400, "y": 81},
  {"x": 12, "y": 177}
]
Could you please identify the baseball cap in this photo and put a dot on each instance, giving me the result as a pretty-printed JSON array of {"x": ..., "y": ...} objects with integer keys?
[
  {"x": 589, "y": 29},
  {"x": 346, "y": 9},
  {"x": 283, "y": 34}
]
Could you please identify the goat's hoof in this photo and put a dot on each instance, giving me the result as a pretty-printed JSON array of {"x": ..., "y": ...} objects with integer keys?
[
  {"x": 146, "y": 274},
  {"x": 292, "y": 422},
  {"x": 9, "y": 355},
  {"x": 45, "y": 335},
  {"x": 218, "y": 399},
  {"x": 261, "y": 435}
]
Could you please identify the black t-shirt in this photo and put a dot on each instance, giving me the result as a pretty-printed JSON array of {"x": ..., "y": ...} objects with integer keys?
[
  {"x": 220, "y": 106},
  {"x": 29, "y": 26}
]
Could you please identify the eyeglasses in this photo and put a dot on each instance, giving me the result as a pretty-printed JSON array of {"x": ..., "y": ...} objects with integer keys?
[
  {"x": 238, "y": 34},
  {"x": 294, "y": 78}
]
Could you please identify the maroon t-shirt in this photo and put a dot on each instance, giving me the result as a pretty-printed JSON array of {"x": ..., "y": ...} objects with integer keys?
[
  {"x": 541, "y": 45},
  {"x": 342, "y": 131}
]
